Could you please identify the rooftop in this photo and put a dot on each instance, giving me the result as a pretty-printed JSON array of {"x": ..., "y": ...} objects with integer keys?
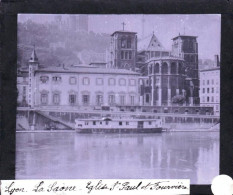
[
  {"x": 123, "y": 31},
  {"x": 151, "y": 43},
  {"x": 87, "y": 69},
  {"x": 184, "y": 36},
  {"x": 210, "y": 69}
]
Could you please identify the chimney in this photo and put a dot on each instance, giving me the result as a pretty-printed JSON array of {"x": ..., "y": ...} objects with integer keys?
[{"x": 216, "y": 61}]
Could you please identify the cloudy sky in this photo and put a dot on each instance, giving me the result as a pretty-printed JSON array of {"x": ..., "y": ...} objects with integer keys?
[{"x": 165, "y": 27}]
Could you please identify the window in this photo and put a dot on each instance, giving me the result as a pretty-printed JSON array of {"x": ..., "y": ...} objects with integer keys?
[
  {"x": 106, "y": 122},
  {"x": 85, "y": 99},
  {"x": 212, "y": 90},
  {"x": 132, "y": 100},
  {"x": 217, "y": 108},
  {"x": 44, "y": 79},
  {"x": 129, "y": 42},
  {"x": 122, "y": 82},
  {"x": 208, "y": 99},
  {"x": 208, "y": 82},
  {"x": 122, "y": 55},
  {"x": 111, "y": 99},
  {"x": 126, "y": 55},
  {"x": 212, "y": 99},
  {"x": 122, "y": 100},
  {"x": 123, "y": 42},
  {"x": 56, "y": 98},
  {"x": 72, "y": 80},
  {"x": 132, "y": 82},
  {"x": 147, "y": 98},
  {"x": 203, "y": 99},
  {"x": 111, "y": 81},
  {"x": 94, "y": 122},
  {"x": 44, "y": 98},
  {"x": 86, "y": 81},
  {"x": 208, "y": 90},
  {"x": 127, "y": 123},
  {"x": 99, "y": 81},
  {"x": 99, "y": 99},
  {"x": 120, "y": 122},
  {"x": 164, "y": 68},
  {"x": 86, "y": 123},
  {"x": 203, "y": 82},
  {"x": 130, "y": 55},
  {"x": 203, "y": 90},
  {"x": 72, "y": 99},
  {"x": 56, "y": 78}
]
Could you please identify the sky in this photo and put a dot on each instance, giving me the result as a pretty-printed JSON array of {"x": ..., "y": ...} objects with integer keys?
[{"x": 207, "y": 27}]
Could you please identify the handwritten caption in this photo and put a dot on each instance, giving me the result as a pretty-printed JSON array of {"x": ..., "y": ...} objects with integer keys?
[{"x": 95, "y": 187}]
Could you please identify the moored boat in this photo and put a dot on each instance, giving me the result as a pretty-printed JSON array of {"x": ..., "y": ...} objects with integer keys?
[{"x": 108, "y": 125}]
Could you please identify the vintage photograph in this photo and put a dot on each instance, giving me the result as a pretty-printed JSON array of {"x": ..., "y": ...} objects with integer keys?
[{"x": 118, "y": 96}]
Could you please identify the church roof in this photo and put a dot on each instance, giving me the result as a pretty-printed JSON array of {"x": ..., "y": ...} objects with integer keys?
[
  {"x": 184, "y": 36},
  {"x": 87, "y": 69},
  {"x": 123, "y": 31},
  {"x": 150, "y": 43}
]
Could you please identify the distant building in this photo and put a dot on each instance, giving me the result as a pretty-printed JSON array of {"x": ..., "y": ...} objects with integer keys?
[
  {"x": 22, "y": 87},
  {"x": 123, "y": 50},
  {"x": 210, "y": 87},
  {"x": 79, "y": 22}
]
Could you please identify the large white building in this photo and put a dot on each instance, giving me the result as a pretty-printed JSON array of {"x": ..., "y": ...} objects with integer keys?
[
  {"x": 81, "y": 86},
  {"x": 210, "y": 87}
]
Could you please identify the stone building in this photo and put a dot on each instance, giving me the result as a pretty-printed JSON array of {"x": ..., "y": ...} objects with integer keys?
[
  {"x": 210, "y": 87},
  {"x": 80, "y": 86},
  {"x": 165, "y": 72},
  {"x": 123, "y": 50},
  {"x": 186, "y": 47}
]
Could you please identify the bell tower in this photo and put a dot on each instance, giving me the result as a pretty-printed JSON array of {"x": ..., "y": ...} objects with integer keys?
[
  {"x": 186, "y": 47},
  {"x": 33, "y": 66},
  {"x": 123, "y": 50}
]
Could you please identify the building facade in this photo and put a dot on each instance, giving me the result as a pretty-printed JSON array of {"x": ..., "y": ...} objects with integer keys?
[
  {"x": 81, "y": 86},
  {"x": 123, "y": 50},
  {"x": 210, "y": 88},
  {"x": 186, "y": 47}
]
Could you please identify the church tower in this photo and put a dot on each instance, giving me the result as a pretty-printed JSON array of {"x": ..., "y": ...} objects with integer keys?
[
  {"x": 186, "y": 47},
  {"x": 33, "y": 66},
  {"x": 123, "y": 50}
]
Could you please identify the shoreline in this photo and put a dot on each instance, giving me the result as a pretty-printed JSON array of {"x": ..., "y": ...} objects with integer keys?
[{"x": 73, "y": 131}]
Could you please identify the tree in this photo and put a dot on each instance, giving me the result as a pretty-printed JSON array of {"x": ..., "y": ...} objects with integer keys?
[{"x": 178, "y": 99}]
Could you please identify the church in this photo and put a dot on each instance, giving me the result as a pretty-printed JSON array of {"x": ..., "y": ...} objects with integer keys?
[{"x": 138, "y": 73}]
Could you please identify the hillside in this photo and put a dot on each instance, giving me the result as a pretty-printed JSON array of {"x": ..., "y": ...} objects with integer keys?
[{"x": 58, "y": 46}]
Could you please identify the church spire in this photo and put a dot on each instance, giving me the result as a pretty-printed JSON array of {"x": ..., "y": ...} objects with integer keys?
[{"x": 33, "y": 57}]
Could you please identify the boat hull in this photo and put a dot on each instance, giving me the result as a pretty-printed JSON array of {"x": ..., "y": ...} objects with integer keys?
[{"x": 116, "y": 130}]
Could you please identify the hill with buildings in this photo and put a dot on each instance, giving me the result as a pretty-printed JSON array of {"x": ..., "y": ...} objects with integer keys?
[{"x": 59, "y": 45}]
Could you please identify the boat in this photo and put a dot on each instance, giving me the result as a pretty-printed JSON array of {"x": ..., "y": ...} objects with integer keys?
[{"x": 118, "y": 125}]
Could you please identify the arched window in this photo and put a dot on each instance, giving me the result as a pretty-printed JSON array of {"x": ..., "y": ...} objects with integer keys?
[
  {"x": 173, "y": 68},
  {"x": 129, "y": 42},
  {"x": 156, "y": 68},
  {"x": 123, "y": 42},
  {"x": 180, "y": 69},
  {"x": 164, "y": 68}
]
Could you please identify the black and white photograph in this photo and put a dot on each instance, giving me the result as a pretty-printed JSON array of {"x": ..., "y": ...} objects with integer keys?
[{"x": 127, "y": 96}]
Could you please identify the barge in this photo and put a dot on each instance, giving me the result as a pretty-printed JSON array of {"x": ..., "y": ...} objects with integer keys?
[{"x": 108, "y": 125}]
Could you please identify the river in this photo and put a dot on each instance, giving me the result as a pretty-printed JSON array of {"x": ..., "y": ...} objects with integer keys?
[{"x": 176, "y": 155}]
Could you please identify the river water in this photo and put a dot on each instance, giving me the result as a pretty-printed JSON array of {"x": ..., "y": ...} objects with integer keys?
[{"x": 176, "y": 155}]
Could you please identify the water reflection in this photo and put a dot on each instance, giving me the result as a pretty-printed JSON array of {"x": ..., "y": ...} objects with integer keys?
[{"x": 181, "y": 155}]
